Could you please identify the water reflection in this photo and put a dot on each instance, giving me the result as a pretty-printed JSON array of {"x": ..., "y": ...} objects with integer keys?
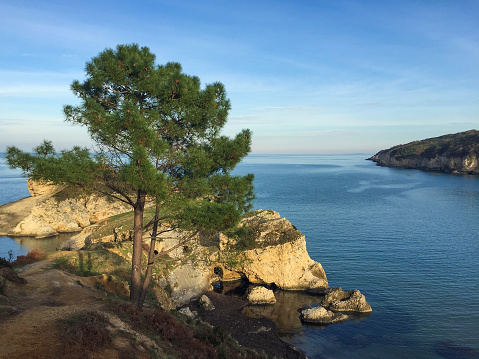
[
  {"x": 22, "y": 245},
  {"x": 284, "y": 313}
]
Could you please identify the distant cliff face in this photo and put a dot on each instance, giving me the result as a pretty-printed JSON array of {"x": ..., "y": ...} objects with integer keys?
[{"x": 456, "y": 153}]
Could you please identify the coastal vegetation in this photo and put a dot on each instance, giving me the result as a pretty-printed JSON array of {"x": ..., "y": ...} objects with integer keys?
[
  {"x": 458, "y": 144},
  {"x": 158, "y": 147}
]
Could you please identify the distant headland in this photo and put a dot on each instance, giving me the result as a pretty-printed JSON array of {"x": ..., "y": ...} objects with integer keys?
[{"x": 453, "y": 153}]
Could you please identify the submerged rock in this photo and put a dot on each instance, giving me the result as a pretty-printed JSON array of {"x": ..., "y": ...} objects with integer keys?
[
  {"x": 320, "y": 315},
  {"x": 351, "y": 301},
  {"x": 261, "y": 295}
]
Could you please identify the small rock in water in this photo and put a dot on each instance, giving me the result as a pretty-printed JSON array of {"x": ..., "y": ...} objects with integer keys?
[
  {"x": 261, "y": 295},
  {"x": 351, "y": 301},
  {"x": 320, "y": 315}
]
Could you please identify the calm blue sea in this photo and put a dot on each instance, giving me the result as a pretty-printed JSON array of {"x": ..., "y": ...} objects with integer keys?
[{"x": 409, "y": 240}]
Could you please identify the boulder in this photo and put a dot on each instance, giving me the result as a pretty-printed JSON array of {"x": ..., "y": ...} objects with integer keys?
[
  {"x": 187, "y": 311},
  {"x": 351, "y": 301},
  {"x": 188, "y": 281},
  {"x": 320, "y": 315},
  {"x": 261, "y": 295},
  {"x": 206, "y": 303}
]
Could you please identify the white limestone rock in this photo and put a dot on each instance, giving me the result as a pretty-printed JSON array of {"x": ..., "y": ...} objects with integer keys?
[
  {"x": 76, "y": 242},
  {"x": 187, "y": 311},
  {"x": 278, "y": 256},
  {"x": 261, "y": 295},
  {"x": 188, "y": 281},
  {"x": 206, "y": 303}
]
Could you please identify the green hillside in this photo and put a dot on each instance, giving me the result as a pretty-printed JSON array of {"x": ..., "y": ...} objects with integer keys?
[{"x": 453, "y": 145}]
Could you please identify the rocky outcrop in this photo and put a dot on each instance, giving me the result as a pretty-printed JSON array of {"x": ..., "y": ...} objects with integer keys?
[
  {"x": 46, "y": 214},
  {"x": 322, "y": 316},
  {"x": 457, "y": 153},
  {"x": 187, "y": 281},
  {"x": 278, "y": 254},
  {"x": 50, "y": 217},
  {"x": 261, "y": 295},
  {"x": 76, "y": 242},
  {"x": 338, "y": 300},
  {"x": 41, "y": 188}
]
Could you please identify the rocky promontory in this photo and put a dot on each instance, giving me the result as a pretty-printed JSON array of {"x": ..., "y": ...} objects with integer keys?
[
  {"x": 49, "y": 211},
  {"x": 454, "y": 153}
]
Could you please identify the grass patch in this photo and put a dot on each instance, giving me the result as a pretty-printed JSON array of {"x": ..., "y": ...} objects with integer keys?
[{"x": 93, "y": 262}]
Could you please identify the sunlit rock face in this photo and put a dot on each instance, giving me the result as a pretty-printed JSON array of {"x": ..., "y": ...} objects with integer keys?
[
  {"x": 261, "y": 295},
  {"x": 40, "y": 188},
  {"x": 279, "y": 255},
  {"x": 48, "y": 212}
]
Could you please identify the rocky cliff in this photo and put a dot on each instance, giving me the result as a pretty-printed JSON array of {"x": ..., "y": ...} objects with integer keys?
[
  {"x": 47, "y": 213},
  {"x": 456, "y": 153},
  {"x": 276, "y": 254},
  {"x": 270, "y": 251},
  {"x": 265, "y": 248}
]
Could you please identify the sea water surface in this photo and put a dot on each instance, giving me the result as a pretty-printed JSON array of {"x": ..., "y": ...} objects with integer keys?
[{"x": 408, "y": 240}]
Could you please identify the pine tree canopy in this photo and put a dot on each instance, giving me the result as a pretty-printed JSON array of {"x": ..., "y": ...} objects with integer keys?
[
  {"x": 157, "y": 137},
  {"x": 157, "y": 131}
]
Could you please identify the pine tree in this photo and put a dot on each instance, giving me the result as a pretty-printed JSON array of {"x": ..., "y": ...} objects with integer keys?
[{"x": 157, "y": 136}]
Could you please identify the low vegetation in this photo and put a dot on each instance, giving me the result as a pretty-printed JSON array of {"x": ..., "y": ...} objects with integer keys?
[{"x": 452, "y": 145}]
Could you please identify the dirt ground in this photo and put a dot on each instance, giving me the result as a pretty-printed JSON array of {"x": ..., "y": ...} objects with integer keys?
[
  {"x": 256, "y": 333},
  {"x": 29, "y": 316},
  {"x": 28, "y": 321}
]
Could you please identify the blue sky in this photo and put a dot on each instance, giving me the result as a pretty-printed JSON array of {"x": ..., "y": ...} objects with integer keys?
[{"x": 305, "y": 76}]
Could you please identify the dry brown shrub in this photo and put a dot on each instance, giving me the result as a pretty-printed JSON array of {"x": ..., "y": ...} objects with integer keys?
[
  {"x": 32, "y": 256},
  {"x": 84, "y": 333},
  {"x": 169, "y": 329}
]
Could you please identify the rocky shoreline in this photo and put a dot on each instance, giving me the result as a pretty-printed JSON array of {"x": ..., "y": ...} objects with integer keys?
[{"x": 272, "y": 254}]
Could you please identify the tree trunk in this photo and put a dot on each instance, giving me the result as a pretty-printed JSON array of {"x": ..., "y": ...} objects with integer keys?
[
  {"x": 135, "y": 286},
  {"x": 151, "y": 259}
]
